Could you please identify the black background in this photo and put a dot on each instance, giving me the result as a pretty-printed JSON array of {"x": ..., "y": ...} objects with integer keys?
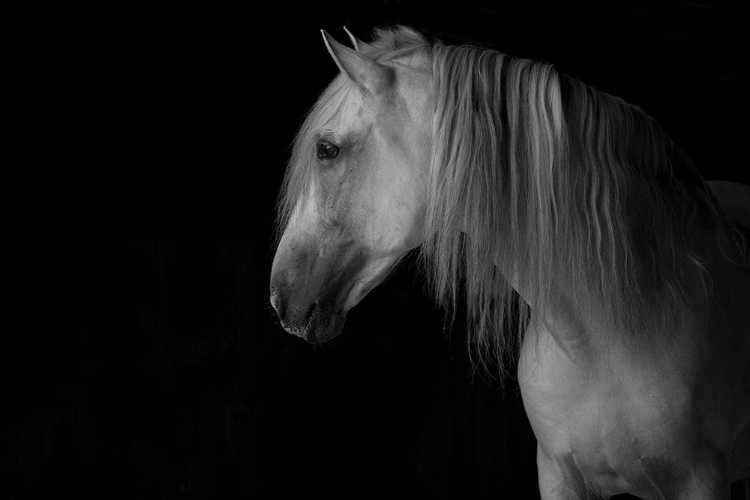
[{"x": 149, "y": 140}]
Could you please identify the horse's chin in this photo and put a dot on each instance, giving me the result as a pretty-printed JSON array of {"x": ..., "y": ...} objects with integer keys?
[{"x": 321, "y": 326}]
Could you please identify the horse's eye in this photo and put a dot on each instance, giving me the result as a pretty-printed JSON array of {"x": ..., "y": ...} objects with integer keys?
[{"x": 326, "y": 151}]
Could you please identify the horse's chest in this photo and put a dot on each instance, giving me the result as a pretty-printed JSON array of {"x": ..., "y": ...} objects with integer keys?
[{"x": 567, "y": 408}]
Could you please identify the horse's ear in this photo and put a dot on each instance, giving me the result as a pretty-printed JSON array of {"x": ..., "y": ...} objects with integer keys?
[
  {"x": 358, "y": 44},
  {"x": 367, "y": 74}
]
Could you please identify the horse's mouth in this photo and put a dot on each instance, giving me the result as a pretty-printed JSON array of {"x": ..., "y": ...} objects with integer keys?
[{"x": 321, "y": 325}]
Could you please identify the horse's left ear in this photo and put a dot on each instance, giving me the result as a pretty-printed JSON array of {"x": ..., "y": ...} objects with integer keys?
[
  {"x": 367, "y": 74},
  {"x": 358, "y": 44}
]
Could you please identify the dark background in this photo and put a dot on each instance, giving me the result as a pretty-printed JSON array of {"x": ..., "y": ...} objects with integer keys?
[{"x": 149, "y": 143}]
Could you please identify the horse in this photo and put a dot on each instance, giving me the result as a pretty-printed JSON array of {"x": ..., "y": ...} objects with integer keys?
[{"x": 532, "y": 195}]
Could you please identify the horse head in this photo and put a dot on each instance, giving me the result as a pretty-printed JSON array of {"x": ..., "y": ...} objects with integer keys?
[{"x": 355, "y": 189}]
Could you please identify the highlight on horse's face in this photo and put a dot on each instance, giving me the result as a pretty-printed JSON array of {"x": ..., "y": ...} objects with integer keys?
[{"x": 365, "y": 204}]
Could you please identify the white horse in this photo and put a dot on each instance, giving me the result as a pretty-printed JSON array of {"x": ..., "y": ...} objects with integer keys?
[{"x": 535, "y": 195}]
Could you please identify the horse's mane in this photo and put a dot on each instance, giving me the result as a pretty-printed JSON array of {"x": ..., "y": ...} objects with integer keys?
[
  {"x": 551, "y": 181},
  {"x": 537, "y": 177}
]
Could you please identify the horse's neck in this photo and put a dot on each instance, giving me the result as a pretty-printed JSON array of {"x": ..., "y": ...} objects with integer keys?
[{"x": 558, "y": 319}]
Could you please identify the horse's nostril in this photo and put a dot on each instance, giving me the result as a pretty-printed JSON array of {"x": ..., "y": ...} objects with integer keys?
[{"x": 275, "y": 301}]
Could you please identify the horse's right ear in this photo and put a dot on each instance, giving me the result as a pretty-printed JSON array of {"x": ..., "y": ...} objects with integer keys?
[{"x": 367, "y": 74}]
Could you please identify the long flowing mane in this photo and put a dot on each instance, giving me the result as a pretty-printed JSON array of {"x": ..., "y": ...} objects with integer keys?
[{"x": 539, "y": 178}]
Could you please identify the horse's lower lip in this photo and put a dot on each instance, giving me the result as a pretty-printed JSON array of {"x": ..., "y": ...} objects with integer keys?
[{"x": 322, "y": 326}]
